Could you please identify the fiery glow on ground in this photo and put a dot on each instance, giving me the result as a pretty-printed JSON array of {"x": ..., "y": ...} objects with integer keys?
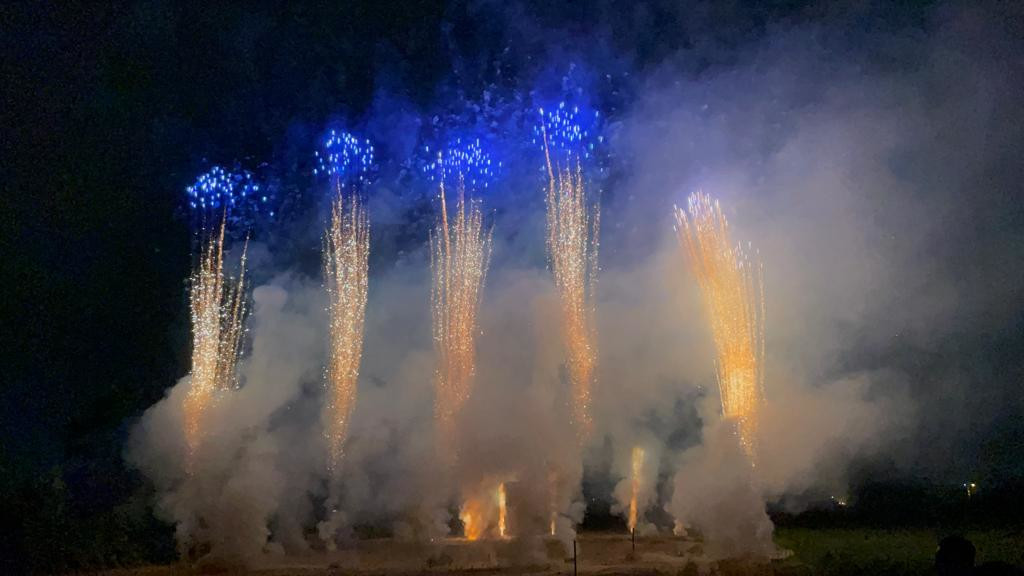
[
  {"x": 346, "y": 251},
  {"x": 732, "y": 288},
  {"x": 484, "y": 513},
  {"x": 218, "y": 309},
  {"x": 572, "y": 245},
  {"x": 637, "y": 478},
  {"x": 474, "y": 518},
  {"x": 460, "y": 253}
]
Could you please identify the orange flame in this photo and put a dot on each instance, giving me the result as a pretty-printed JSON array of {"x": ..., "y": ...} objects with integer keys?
[
  {"x": 473, "y": 518},
  {"x": 638, "y": 463}
]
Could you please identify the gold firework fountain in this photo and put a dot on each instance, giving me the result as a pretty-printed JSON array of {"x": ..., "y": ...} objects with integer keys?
[
  {"x": 218, "y": 309},
  {"x": 572, "y": 245},
  {"x": 637, "y": 478},
  {"x": 732, "y": 288},
  {"x": 552, "y": 502},
  {"x": 502, "y": 511},
  {"x": 346, "y": 251},
  {"x": 460, "y": 253},
  {"x": 485, "y": 512}
]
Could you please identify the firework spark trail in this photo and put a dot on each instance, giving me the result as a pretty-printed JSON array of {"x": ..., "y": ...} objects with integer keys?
[
  {"x": 502, "y": 511},
  {"x": 552, "y": 501},
  {"x": 218, "y": 309},
  {"x": 346, "y": 251},
  {"x": 460, "y": 253},
  {"x": 572, "y": 244},
  {"x": 732, "y": 287},
  {"x": 638, "y": 465}
]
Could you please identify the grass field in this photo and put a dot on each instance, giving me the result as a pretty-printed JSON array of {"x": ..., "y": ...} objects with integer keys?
[
  {"x": 871, "y": 551},
  {"x": 816, "y": 551}
]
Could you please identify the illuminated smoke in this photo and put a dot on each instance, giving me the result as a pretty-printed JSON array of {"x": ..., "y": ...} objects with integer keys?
[
  {"x": 460, "y": 253},
  {"x": 218, "y": 309},
  {"x": 635, "y": 481},
  {"x": 732, "y": 288},
  {"x": 572, "y": 245},
  {"x": 346, "y": 251},
  {"x": 473, "y": 516}
]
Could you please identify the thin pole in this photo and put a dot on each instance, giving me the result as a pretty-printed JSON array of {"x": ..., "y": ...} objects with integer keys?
[
  {"x": 633, "y": 534},
  {"x": 573, "y": 557}
]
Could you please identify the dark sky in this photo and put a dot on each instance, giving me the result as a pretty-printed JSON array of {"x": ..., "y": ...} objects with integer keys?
[{"x": 109, "y": 109}]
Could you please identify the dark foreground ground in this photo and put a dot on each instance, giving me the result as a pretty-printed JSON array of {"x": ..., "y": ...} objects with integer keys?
[{"x": 814, "y": 551}]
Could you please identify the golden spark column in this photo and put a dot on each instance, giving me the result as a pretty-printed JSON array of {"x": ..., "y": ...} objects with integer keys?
[
  {"x": 502, "y": 512},
  {"x": 552, "y": 501},
  {"x": 638, "y": 467},
  {"x": 460, "y": 253},
  {"x": 346, "y": 252},
  {"x": 732, "y": 288},
  {"x": 218, "y": 309},
  {"x": 572, "y": 244}
]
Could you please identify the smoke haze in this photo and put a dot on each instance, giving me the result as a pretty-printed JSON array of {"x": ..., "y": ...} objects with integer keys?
[{"x": 850, "y": 163}]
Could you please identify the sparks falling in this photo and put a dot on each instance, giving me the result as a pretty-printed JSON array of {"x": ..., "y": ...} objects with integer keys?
[
  {"x": 572, "y": 244},
  {"x": 346, "y": 251},
  {"x": 218, "y": 310},
  {"x": 638, "y": 467},
  {"x": 460, "y": 253},
  {"x": 732, "y": 288}
]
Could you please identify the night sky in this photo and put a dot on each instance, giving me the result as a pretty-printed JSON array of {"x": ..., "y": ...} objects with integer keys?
[{"x": 111, "y": 108}]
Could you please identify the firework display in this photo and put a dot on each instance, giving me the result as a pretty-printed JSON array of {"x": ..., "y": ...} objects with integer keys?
[
  {"x": 460, "y": 253},
  {"x": 732, "y": 288},
  {"x": 232, "y": 195},
  {"x": 218, "y": 309},
  {"x": 344, "y": 157},
  {"x": 568, "y": 131},
  {"x": 460, "y": 246},
  {"x": 572, "y": 243},
  {"x": 346, "y": 250},
  {"x": 464, "y": 159}
]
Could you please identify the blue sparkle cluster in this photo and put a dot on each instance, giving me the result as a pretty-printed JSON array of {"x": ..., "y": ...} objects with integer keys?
[
  {"x": 343, "y": 155},
  {"x": 569, "y": 129},
  {"x": 220, "y": 189},
  {"x": 465, "y": 157}
]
